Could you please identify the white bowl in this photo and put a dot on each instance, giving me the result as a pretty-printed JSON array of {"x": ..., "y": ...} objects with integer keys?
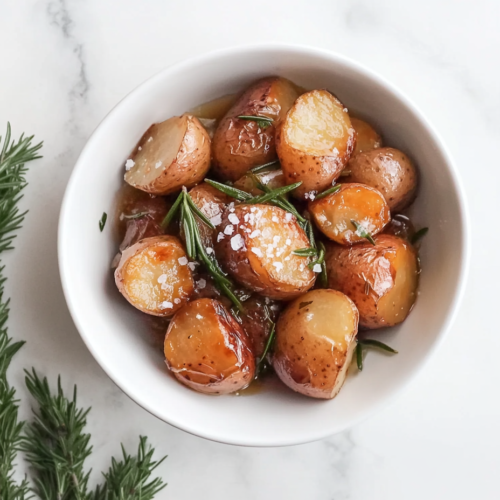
[{"x": 114, "y": 332}]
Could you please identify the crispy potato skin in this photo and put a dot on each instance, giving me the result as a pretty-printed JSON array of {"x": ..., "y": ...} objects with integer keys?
[
  {"x": 314, "y": 158},
  {"x": 207, "y": 350},
  {"x": 272, "y": 271},
  {"x": 239, "y": 145},
  {"x": 333, "y": 213},
  {"x": 184, "y": 162},
  {"x": 381, "y": 280},
  {"x": 151, "y": 278},
  {"x": 273, "y": 179},
  {"x": 367, "y": 137},
  {"x": 315, "y": 340},
  {"x": 388, "y": 170}
]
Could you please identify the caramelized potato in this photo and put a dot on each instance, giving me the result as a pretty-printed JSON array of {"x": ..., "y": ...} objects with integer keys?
[
  {"x": 212, "y": 203},
  {"x": 272, "y": 178},
  {"x": 367, "y": 137},
  {"x": 314, "y": 142},
  {"x": 381, "y": 280},
  {"x": 170, "y": 155},
  {"x": 333, "y": 213},
  {"x": 154, "y": 277},
  {"x": 388, "y": 170},
  {"x": 315, "y": 341},
  {"x": 239, "y": 145},
  {"x": 256, "y": 243},
  {"x": 206, "y": 349}
]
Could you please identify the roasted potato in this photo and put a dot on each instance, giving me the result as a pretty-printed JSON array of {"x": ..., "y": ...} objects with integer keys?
[
  {"x": 315, "y": 341},
  {"x": 154, "y": 277},
  {"x": 207, "y": 350},
  {"x": 314, "y": 142},
  {"x": 256, "y": 243},
  {"x": 171, "y": 154},
  {"x": 271, "y": 178},
  {"x": 388, "y": 170},
  {"x": 381, "y": 280},
  {"x": 238, "y": 144},
  {"x": 212, "y": 203},
  {"x": 367, "y": 137},
  {"x": 363, "y": 204}
]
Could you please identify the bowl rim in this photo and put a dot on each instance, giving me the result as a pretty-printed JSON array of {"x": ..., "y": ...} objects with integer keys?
[{"x": 243, "y": 50}]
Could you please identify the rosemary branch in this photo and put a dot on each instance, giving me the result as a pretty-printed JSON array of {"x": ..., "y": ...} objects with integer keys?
[{"x": 364, "y": 343}]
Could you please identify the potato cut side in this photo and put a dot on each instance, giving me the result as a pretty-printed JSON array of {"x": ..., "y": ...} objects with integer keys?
[
  {"x": 206, "y": 349},
  {"x": 334, "y": 213},
  {"x": 154, "y": 277},
  {"x": 381, "y": 280},
  {"x": 256, "y": 243},
  {"x": 272, "y": 178},
  {"x": 170, "y": 155},
  {"x": 315, "y": 340},
  {"x": 367, "y": 137},
  {"x": 315, "y": 141}
]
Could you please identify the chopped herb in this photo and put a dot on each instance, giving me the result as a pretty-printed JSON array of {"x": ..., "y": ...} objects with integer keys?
[
  {"x": 103, "y": 220},
  {"x": 331, "y": 190},
  {"x": 305, "y": 304},
  {"x": 362, "y": 232},
  {"x": 323, "y": 276},
  {"x": 419, "y": 235},
  {"x": 262, "y": 121}
]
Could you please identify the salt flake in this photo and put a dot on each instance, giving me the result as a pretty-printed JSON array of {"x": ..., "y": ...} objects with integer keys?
[
  {"x": 166, "y": 305},
  {"x": 129, "y": 164},
  {"x": 237, "y": 242},
  {"x": 255, "y": 233},
  {"x": 182, "y": 261},
  {"x": 233, "y": 218},
  {"x": 201, "y": 283},
  {"x": 158, "y": 164},
  {"x": 278, "y": 266},
  {"x": 257, "y": 251},
  {"x": 229, "y": 230},
  {"x": 216, "y": 220},
  {"x": 317, "y": 268}
]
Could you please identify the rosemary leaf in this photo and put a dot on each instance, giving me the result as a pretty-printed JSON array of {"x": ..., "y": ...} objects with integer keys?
[
  {"x": 331, "y": 190},
  {"x": 189, "y": 227},
  {"x": 229, "y": 190},
  {"x": 274, "y": 193},
  {"x": 362, "y": 232},
  {"x": 262, "y": 359},
  {"x": 419, "y": 235},
  {"x": 359, "y": 356},
  {"x": 323, "y": 277},
  {"x": 173, "y": 210},
  {"x": 263, "y": 167},
  {"x": 377, "y": 343},
  {"x": 306, "y": 252},
  {"x": 262, "y": 121},
  {"x": 198, "y": 212}
]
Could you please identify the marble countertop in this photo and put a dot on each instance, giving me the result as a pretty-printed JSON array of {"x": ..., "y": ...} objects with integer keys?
[{"x": 65, "y": 63}]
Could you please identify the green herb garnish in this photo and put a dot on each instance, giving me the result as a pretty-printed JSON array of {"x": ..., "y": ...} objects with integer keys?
[
  {"x": 419, "y": 235},
  {"x": 306, "y": 252},
  {"x": 262, "y": 121},
  {"x": 263, "y": 167},
  {"x": 364, "y": 343},
  {"x": 362, "y": 232},
  {"x": 103, "y": 220},
  {"x": 233, "y": 192},
  {"x": 270, "y": 340},
  {"x": 331, "y": 190},
  {"x": 138, "y": 215}
]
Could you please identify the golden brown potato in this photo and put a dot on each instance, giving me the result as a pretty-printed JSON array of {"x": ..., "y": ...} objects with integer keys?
[
  {"x": 365, "y": 205},
  {"x": 367, "y": 137},
  {"x": 256, "y": 243},
  {"x": 272, "y": 178},
  {"x": 388, "y": 170},
  {"x": 381, "y": 280},
  {"x": 207, "y": 350},
  {"x": 314, "y": 142},
  {"x": 170, "y": 155},
  {"x": 315, "y": 340},
  {"x": 154, "y": 277},
  {"x": 212, "y": 203},
  {"x": 239, "y": 145}
]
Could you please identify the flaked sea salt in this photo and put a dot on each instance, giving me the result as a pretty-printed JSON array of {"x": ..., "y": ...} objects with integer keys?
[
  {"x": 162, "y": 278},
  {"x": 317, "y": 268},
  {"x": 288, "y": 241},
  {"x": 278, "y": 266},
  {"x": 201, "y": 283},
  {"x": 233, "y": 218},
  {"x": 288, "y": 217},
  {"x": 158, "y": 164},
  {"x": 177, "y": 301},
  {"x": 229, "y": 229},
  {"x": 275, "y": 219},
  {"x": 237, "y": 242},
  {"x": 182, "y": 261},
  {"x": 216, "y": 220},
  {"x": 257, "y": 251},
  {"x": 129, "y": 164},
  {"x": 255, "y": 233},
  {"x": 210, "y": 250},
  {"x": 220, "y": 237},
  {"x": 166, "y": 305}
]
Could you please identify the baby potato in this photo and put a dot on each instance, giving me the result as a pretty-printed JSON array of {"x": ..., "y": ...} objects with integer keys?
[
  {"x": 273, "y": 179},
  {"x": 256, "y": 243},
  {"x": 211, "y": 203},
  {"x": 381, "y": 280},
  {"x": 388, "y": 170},
  {"x": 238, "y": 144},
  {"x": 367, "y": 137},
  {"x": 314, "y": 142},
  {"x": 207, "y": 350},
  {"x": 333, "y": 213},
  {"x": 315, "y": 341},
  {"x": 154, "y": 277},
  {"x": 171, "y": 154}
]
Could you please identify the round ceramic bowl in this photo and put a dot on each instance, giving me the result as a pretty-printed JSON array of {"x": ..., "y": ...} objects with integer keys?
[{"x": 117, "y": 335}]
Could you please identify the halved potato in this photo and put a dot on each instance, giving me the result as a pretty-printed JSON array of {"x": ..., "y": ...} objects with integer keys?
[
  {"x": 239, "y": 145},
  {"x": 171, "y": 154},
  {"x": 207, "y": 350},
  {"x": 315, "y": 341},
  {"x": 388, "y": 170},
  {"x": 381, "y": 280},
  {"x": 365, "y": 205},
  {"x": 154, "y": 277},
  {"x": 256, "y": 243},
  {"x": 367, "y": 137},
  {"x": 314, "y": 142},
  {"x": 272, "y": 178}
]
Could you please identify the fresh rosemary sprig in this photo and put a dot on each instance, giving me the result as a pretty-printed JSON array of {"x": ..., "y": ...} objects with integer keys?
[
  {"x": 306, "y": 252},
  {"x": 419, "y": 235},
  {"x": 364, "y": 343},
  {"x": 328, "y": 191},
  {"x": 259, "y": 168},
  {"x": 138, "y": 215},
  {"x": 194, "y": 246},
  {"x": 362, "y": 232},
  {"x": 103, "y": 220},
  {"x": 262, "y": 121}
]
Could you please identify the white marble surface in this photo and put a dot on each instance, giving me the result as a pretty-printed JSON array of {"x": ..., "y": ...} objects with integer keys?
[{"x": 65, "y": 63}]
